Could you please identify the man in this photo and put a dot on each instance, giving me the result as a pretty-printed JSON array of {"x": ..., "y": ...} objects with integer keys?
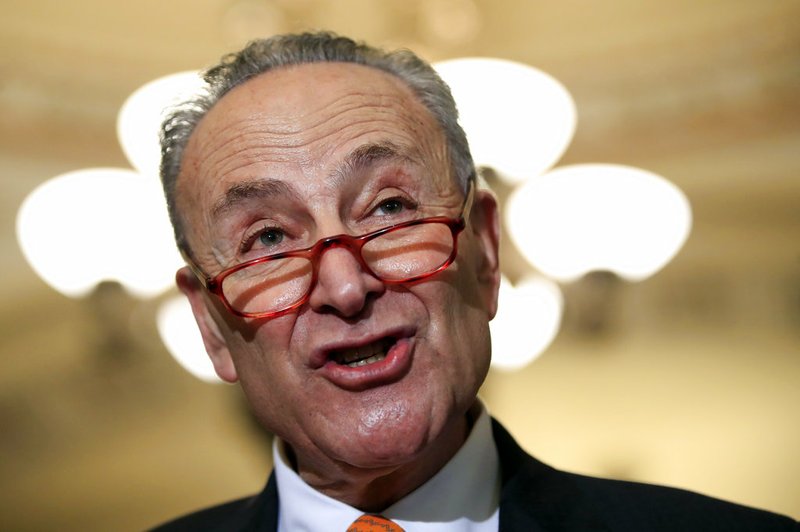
[{"x": 343, "y": 268}]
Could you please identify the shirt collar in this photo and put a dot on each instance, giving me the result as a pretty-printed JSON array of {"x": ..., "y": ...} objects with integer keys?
[{"x": 470, "y": 480}]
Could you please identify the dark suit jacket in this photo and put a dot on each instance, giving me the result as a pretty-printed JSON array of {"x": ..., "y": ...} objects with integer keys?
[{"x": 535, "y": 497}]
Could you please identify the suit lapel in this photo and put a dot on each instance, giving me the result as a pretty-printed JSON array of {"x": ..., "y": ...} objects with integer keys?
[
  {"x": 259, "y": 513},
  {"x": 536, "y": 497}
]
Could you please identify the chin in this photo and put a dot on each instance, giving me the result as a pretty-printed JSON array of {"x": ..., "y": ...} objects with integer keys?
[{"x": 395, "y": 434}]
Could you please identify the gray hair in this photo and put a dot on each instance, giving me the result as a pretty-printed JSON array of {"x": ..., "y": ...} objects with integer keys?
[{"x": 293, "y": 49}]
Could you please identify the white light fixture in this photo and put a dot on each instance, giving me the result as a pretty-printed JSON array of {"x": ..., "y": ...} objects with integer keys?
[
  {"x": 179, "y": 332},
  {"x": 519, "y": 120},
  {"x": 581, "y": 218},
  {"x": 84, "y": 227},
  {"x": 527, "y": 321},
  {"x": 139, "y": 119}
]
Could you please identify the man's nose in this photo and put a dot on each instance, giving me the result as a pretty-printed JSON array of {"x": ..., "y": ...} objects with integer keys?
[{"x": 343, "y": 286}]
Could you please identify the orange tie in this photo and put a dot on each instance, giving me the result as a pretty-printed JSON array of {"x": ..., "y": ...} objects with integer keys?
[{"x": 374, "y": 523}]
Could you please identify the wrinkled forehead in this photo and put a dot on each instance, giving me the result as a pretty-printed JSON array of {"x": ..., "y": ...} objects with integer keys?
[
  {"x": 296, "y": 97},
  {"x": 302, "y": 117}
]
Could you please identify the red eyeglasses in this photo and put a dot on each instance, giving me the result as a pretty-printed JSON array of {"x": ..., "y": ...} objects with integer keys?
[{"x": 273, "y": 285}]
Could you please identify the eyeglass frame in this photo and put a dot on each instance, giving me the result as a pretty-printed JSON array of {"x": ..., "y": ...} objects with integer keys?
[{"x": 314, "y": 253}]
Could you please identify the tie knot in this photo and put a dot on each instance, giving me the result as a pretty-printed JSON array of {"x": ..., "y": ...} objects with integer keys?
[{"x": 374, "y": 523}]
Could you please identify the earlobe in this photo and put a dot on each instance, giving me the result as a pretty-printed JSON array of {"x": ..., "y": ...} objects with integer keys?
[
  {"x": 216, "y": 346},
  {"x": 486, "y": 224}
]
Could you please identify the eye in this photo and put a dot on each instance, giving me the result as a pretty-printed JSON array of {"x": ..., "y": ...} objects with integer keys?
[
  {"x": 265, "y": 238},
  {"x": 270, "y": 236},
  {"x": 392, "y": 207}
]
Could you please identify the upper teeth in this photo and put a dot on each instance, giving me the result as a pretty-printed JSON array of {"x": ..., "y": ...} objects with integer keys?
[
  {"x": 366, "y": 361},
  {"x": 361, "y": 356}
]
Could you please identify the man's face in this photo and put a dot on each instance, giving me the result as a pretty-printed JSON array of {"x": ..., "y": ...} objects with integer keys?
[{"x": 307, "y": 152}]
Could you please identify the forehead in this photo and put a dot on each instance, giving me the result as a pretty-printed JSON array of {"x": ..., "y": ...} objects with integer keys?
[
  {"x": 295, "y": 121},
  {"x": 305, "y": 111},
  {"x": 296, "y": 96}
]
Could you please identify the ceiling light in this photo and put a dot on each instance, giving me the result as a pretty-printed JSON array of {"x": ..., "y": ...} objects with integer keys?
[
  {"x": 581, "y": 218},
  {"x": 84, "y": 227},
  {"x": 518, "y": 119},
  {"x": 528, "y": 319},
  {"x": 139, "y": 119}
]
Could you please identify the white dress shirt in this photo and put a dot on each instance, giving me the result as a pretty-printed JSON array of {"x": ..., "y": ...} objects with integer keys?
[{"x": 463, "y": 496}]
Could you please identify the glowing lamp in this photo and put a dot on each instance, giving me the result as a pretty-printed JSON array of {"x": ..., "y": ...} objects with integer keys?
[
  {"x": 518, "y": 120},
  {"x": 581, "y": 218},
  {"x": 527, "y": 321},
  {"x": 84, "y": 227},
  {"x": 139, "y": 119}
]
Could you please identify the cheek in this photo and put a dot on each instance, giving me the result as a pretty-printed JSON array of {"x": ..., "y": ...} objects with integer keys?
[
  {"x": 459, "y": 328},
  {"x": 266, "y": 380},
  {"x": 260, "y": 353},
  {"x": 469, "y": 312}
]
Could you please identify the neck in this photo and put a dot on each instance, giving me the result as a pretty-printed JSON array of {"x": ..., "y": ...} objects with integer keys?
[{"x": 372, "y": 490}]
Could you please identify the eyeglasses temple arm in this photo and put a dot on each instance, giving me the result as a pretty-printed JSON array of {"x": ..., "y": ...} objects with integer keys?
[
  {"x": 467, "y": 208},
  {"x": 204, "y": 279}
]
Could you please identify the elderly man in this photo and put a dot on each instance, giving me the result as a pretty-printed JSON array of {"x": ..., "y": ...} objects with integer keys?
[{"x": 343, "y": 268}]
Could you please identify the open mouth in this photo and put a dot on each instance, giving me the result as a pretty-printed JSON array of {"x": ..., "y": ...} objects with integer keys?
[{"x": 364, "y": 355}]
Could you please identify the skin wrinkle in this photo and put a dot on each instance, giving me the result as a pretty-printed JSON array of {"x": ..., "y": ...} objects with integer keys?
[
  {"x": 220, "y": 253},
  {"x": 283, "y": 139},
  {"x": 286, "y": 142},
  {"x": 256, "y": 190},
  {"x": 357, "y": 161},
  {"x": 214, "y": 221},
  {"x": 371, "y": 447}
]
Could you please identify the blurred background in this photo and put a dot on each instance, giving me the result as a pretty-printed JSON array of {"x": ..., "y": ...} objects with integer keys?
[{"x": 689, "y": 378}]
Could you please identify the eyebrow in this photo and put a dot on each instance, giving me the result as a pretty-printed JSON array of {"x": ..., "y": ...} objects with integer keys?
[
  {"x": 366, "y": 156},
  {"x": 249, "y": 190}
]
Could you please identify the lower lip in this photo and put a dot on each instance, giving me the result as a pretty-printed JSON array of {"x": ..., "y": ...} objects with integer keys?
[{"x": 390, "y": 369}]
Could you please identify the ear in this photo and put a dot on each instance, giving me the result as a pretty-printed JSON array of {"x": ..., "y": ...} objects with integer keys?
[
  {"x": 486, "y": 226},
  {"x": 216, "y": 346}
]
